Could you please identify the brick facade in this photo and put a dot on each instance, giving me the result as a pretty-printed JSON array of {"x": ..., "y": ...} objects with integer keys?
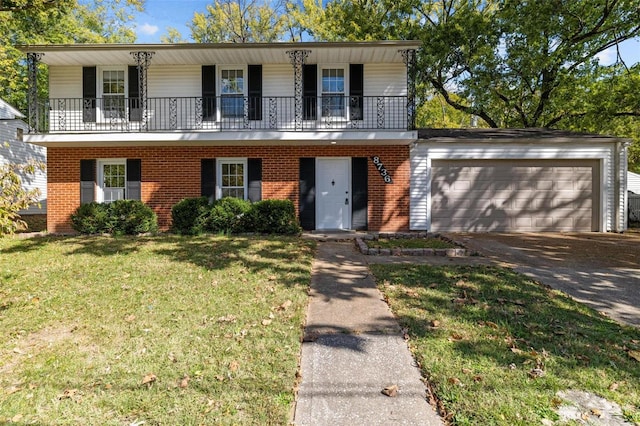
[{"x": 170, "y": 174}]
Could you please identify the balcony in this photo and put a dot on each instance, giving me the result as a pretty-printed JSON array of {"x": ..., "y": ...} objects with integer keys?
[{"x": 221, "y": 114}]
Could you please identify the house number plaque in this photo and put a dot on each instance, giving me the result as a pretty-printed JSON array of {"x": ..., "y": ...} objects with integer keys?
[{"x": 381, "y": 169}]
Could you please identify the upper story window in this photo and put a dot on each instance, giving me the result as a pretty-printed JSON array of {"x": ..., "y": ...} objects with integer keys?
[
  {"x": 232, "y": 175},
  {"x": 113, "y": 93},
  {"x": 232, "y": 92},
  {"x": 333, "y": 92}
]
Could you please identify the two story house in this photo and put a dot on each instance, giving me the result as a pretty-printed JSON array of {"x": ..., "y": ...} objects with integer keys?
[
  {"x": 330, "y": 126},
  {"x": 326, "y": 125}
]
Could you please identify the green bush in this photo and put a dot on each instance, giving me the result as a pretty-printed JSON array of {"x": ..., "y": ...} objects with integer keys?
[
  {"x": 120, "y": 217},
  {"x": 226, "y": 215},
  {"x": 189, "y": 216},
  {"x": 92, "y": 218},
  {"x": 272, "y": 217},
  {"x": 132, "y": 217}
]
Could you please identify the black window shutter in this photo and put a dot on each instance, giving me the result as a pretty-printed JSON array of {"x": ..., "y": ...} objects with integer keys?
[
  {"x": 209, "y": 92},
  {"x": 307, "y": 201},
  {"x": 87, "y": 181},
  {"x": 309, "y": 91},
  {"x": 135, "y": 113},
  {"x": 359, "y": 194},
  {"x": 254, "y": 179},
  {"x": 255, "y": 91},
  {"x": 356, "y": 91},
  {"x": 89, "y": 87},
  {"x": 208, "y": 178},
  {"x": 134, "y": 179}
]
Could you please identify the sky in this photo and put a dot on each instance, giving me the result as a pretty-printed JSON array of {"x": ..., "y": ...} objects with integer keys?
[{"x": 160, "y": 14}]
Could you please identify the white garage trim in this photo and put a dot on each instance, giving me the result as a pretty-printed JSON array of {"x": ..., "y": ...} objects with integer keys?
[{"x": 609, "y": 155}]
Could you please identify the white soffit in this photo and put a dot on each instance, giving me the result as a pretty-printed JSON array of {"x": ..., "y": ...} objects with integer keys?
[{"x": 223, "y": 53}]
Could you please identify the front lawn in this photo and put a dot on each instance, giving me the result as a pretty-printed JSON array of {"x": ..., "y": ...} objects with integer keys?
[
  {"x": 497, "y": 347},
  {"x": 157, "y": 330}
]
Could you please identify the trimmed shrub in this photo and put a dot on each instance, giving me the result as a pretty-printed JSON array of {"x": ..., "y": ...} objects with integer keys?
[
  {"x": 120, "y": 217},
  {"x": 131, "y": 217},
  {"x": 92, "y": 218},
  {"x": 272, "y": 217},
  {"x": 226, "y": 215},
  {"x": 189, "y": 216}
]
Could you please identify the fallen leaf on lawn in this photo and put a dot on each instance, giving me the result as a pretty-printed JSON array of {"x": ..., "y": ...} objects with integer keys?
[
  {"x": 534, "y": 373},
  {"x": 149, "y": 379},
  {"x": 477, "y": 378},
  {"x": 17, "y": 418},
  {"x": 68, "y": 393},
  {"x": 604, "y": 314},
  {"x": 583, "y": 358},
  {"x": 518, "y": 302},
  {"x": 234, "y": 365},
  {"x": 227, "y": 318},
  {"x": 272, "y": 277},
  {"x": 596, "y": 412},
  {"x": 172, "y": 357},
  {"x": 491, "y": 324},
  {"x": 467, "y": 371},
  {"x": 454, "y": 381},
  {"x": 435, "y": 323},
  {"x": 18, "y": 351},
  {"x": 456, "y": 336},
  {"x": 556, "y": 402},
  {"x": 266, "y": 322},
  {"x": 130, "y": 318},
  {"x": 613, "y": 386},
  {"x": 433, "y": 285},
  {"x": 13, "y": 389},
  {"x": 635, "y": 355},
  {"x": 184, "y": 382},
  {"x": 405, "y": 334},
  {"x": 390, "y": 390},
  {"x": 517, "y": 351},
  {"x": 284, "y": 306},
  {"x": 412, "y": 293}
]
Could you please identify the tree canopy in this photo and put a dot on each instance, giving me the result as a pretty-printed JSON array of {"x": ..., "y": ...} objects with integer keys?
[{"x": 56, "y": 22}]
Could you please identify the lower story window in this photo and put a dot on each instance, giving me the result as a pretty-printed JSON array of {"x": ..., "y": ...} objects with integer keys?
[
  {"x": 232, "y": 178},
  {"x": 112, "y": 180}
]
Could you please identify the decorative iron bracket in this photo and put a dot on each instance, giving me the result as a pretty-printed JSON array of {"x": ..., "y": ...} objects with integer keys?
[
  {"x": 409, "y": 59},
  {"x": 33, "y": 59},
  {"x": 143, "y": 60},
  {"x": 297, "y": 58}
]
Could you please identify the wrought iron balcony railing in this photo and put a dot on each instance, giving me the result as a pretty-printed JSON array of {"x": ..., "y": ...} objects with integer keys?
[{"x": 222, "y": 113}]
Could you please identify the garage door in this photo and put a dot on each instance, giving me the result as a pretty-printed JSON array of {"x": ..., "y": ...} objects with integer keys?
[{"x": 517, "y": 196}]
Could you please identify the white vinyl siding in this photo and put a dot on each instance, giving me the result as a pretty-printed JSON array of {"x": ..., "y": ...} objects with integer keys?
[
  {"x": 20, "y": 152},
  {"x": 65, "y": 82},
  {"x": 385, "y": 80},
  {"x": 174, "y": 80},
  {"x": 277, "y": 80}
]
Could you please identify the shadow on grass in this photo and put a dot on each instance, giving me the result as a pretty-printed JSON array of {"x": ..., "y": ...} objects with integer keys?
[{"x": 495, "y": 317}]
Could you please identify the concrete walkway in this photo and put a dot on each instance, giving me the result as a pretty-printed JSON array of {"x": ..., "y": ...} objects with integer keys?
[{"x": 353, "y": 349}]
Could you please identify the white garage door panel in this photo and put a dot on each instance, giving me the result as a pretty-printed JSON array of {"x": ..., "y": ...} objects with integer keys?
[{"x": 518, "y": 195}]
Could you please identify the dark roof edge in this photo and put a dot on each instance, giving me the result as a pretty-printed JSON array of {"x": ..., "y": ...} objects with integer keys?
[{"x": 511, "y": 135}]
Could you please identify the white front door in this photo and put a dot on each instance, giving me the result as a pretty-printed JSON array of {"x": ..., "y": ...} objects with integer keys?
[{"x": 333, "y": 202}]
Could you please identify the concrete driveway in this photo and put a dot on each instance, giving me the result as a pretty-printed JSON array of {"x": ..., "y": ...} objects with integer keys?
[{"x": 600, "y": 270}]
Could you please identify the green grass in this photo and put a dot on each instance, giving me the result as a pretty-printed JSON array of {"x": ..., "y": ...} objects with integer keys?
[
  {"x": 84, "y": 320},
  {"x": 410, "y": 243},
  {"x": 477, "y": 333}
]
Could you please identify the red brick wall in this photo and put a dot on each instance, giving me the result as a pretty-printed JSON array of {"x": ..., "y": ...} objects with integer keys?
[{"x": 170, "y": 174}]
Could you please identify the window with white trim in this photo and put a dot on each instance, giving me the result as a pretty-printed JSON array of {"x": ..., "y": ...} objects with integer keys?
[
  {"x": 112, "y": 180},
  {"x": 333, "y": 92},
  {"x": 113, "y": 93},
  {"x": 232, "y": 178},
  {"x": 232, "y": 92}
]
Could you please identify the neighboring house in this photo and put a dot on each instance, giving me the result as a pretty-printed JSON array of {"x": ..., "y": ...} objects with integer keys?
[
  {"x": 329, "y": 126},
  {"x": 633, "y": 182},
  {"x": 16, "y": 151}
]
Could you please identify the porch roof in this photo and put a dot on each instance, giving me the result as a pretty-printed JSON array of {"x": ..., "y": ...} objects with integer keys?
[{"x": 223, "y": 53}]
